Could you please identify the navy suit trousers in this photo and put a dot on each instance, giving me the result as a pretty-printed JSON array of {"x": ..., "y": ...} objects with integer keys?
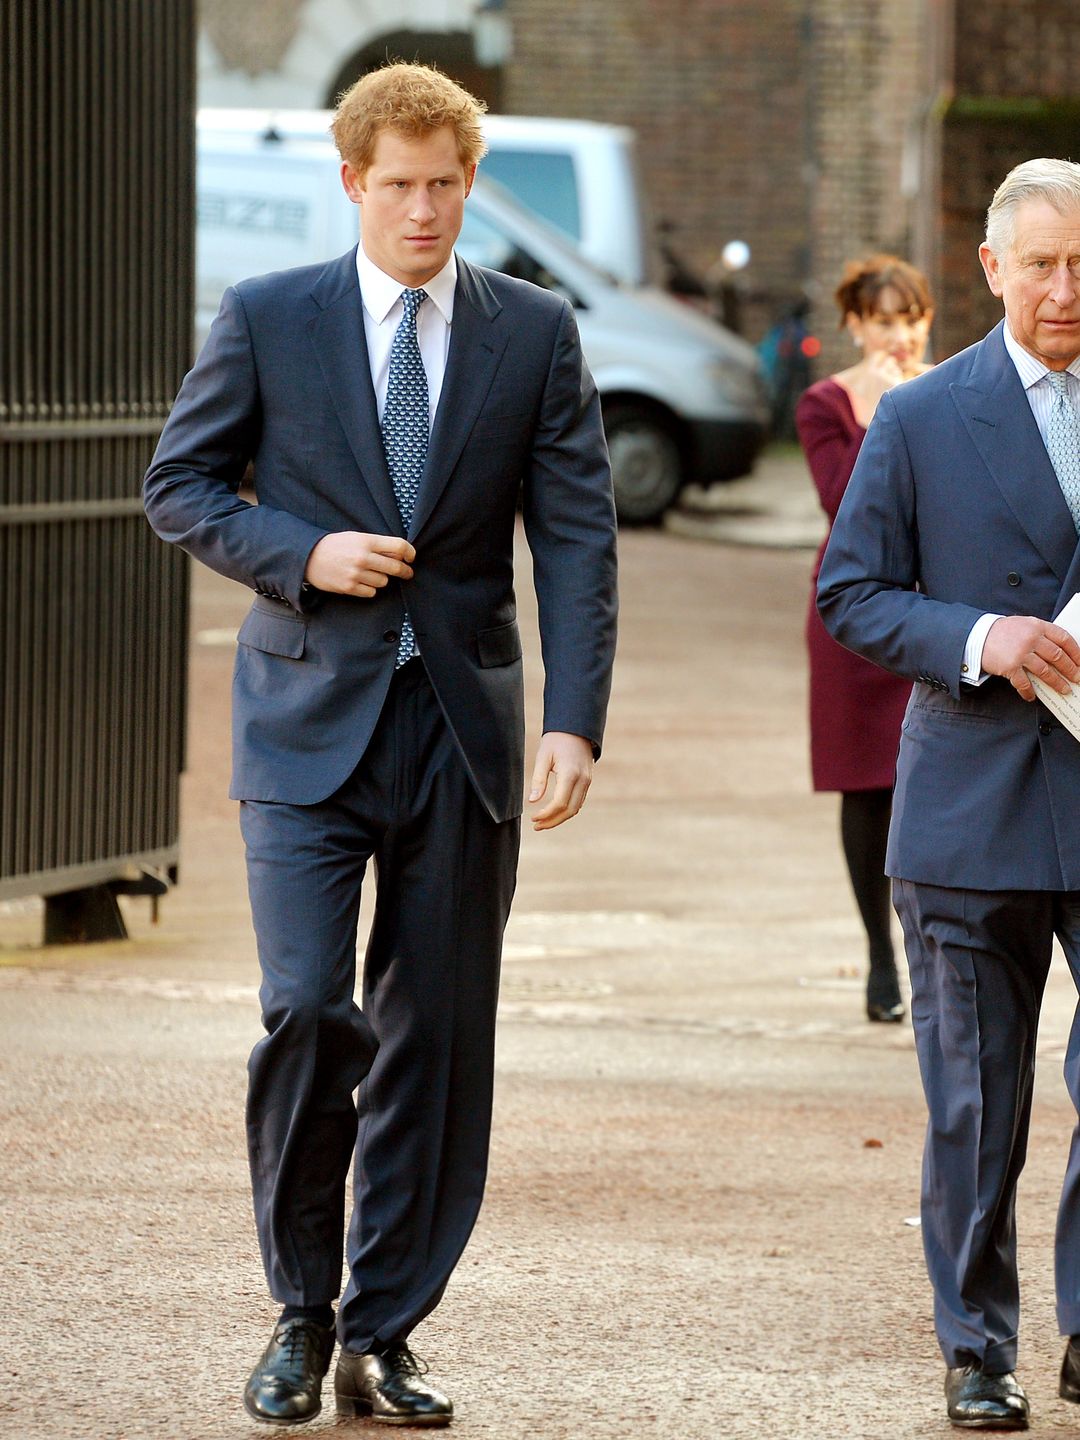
[
  {"x": 419, "y": 1050},
  {"x": 979, "y": 961}
]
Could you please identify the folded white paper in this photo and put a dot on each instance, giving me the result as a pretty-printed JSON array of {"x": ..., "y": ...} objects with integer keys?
[{"x": 1065, "y": 707}]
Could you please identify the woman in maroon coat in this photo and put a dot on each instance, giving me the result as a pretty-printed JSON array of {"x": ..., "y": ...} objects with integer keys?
[{"x": 855, "y": 707}]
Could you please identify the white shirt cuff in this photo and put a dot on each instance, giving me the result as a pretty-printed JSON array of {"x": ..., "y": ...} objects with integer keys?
[{"x": 971, "y": 671}]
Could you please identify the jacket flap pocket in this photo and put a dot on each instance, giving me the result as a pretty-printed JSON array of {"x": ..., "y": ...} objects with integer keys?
[
  {"x": 500, "y": 645},
  {"x": 276, "y": 634}
]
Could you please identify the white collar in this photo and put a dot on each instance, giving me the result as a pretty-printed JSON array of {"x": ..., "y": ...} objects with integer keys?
[
  {"x": 381, "y": 292},
  {"x": 1030, "y": 369}
]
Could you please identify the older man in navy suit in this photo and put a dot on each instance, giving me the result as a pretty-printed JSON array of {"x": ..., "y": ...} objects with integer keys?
[
  {"x": 955, "y": 548},
  {"x": 395, "y": 403}
]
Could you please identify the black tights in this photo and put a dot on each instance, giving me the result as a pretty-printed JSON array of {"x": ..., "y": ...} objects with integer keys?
[{"x": 864, "y": 827}]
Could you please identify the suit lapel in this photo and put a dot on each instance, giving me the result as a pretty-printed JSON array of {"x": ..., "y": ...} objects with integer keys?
[
  {"x": 1071, "y": 583},
  {"x": 998, "y": 418},
  {"x": 476, "y": 347},
  {"x": 337, "y": 332}
]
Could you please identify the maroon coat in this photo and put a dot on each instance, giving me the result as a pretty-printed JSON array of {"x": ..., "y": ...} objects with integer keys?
[{"x": 855, "y": 708}]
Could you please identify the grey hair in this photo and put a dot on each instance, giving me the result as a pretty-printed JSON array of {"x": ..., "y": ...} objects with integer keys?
[{"x": 1056, "y": 181}]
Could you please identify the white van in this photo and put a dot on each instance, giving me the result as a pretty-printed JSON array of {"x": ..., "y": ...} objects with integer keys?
[
  {"x": 683, "y": 398},
  {"x": 579, "y": 175},
  {"x": 582, "y": 177}
]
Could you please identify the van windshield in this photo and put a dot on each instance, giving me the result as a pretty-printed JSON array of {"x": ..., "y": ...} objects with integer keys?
[{"x": 542, "y": 180}]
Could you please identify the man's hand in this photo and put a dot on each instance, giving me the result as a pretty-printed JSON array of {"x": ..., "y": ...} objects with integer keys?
[
  {"x": 1017, "y": 643},
  {"x": 569, "y": 759},
  {"x": 351, "y": 563}
]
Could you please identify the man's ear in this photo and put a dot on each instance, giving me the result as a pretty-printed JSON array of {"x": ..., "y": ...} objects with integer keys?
[
  {"x": 352, "y": 182},
  {"x": 470, "y": 176},
  {"x": 993, "y": 269}
]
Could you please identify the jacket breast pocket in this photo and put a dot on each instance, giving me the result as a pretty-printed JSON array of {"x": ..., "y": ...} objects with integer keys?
[
  {"x": 501, "y": 645},
  {"x": 279, "y": 634}
]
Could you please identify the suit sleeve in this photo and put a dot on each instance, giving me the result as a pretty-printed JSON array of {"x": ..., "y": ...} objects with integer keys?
[
  {"x": 867, "y": 595},
  {"x": 190, "y": 490},
  {"x": 569, "y": 515}
]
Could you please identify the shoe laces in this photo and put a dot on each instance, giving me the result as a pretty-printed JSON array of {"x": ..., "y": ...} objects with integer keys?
[
  {"x": 298, "y": 1338},
  {"x": 399, "y": 1357}
]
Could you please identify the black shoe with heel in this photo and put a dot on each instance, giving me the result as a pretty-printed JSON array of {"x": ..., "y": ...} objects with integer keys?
[
  {"x": 388, "y": 1386},
  {"x": 1069, "y": 1385},
  {"x": 285, "y": 1388},
  {"x": 883, "y": 1002},
  {"x": 977, "y": 1401}
]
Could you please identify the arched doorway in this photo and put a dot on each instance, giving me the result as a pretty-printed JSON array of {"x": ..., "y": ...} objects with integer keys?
[{"x": 451, "y": 51}]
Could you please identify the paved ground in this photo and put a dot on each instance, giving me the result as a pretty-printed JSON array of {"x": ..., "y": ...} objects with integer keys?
[{"x": 705, "y": 1162}]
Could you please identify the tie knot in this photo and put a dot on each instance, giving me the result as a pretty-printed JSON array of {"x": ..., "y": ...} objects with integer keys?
[
  {"x": 1059, "y": 381},
  {"x": 411, "y": 301}
]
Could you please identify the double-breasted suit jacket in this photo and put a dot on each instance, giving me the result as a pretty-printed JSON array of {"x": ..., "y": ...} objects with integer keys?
[
  {"x": 284, "y": 380},
  {"x": 953, "y": 511}
]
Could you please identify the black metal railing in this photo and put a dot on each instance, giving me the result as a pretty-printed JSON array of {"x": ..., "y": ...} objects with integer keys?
[{"x": 96, "y": 244}]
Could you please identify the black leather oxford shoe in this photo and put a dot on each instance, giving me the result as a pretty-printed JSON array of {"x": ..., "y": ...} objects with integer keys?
[
  {"x": 285, "y": 1388},
  {"x": 1069, "y": 1386},
  {"x": 388, "y": 1387},
  {"x": 985, "y": 1402}
]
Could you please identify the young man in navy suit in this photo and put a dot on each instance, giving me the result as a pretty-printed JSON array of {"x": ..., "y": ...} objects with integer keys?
[
  {"x": 955, "y": 548},
  {"x": 394, "y": 403}
]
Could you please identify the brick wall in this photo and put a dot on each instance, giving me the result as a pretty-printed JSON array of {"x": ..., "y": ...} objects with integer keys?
[
  {"x": 866, "y": 59},
  {"x": 1016, "y": 69},
  {"x": 717, "y": 95},
  {"x": 812, "y": 129},
  {"x": 783, "y": 124},
  {"x": 1017, "y": 47}
]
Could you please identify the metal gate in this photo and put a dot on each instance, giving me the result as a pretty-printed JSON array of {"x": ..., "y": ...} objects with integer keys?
[{"x": 96, "y": 244}]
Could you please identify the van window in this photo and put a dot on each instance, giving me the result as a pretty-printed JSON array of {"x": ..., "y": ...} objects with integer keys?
[
  {"x": 482, "y": 243},
  {"x": 543, "y": 181}
]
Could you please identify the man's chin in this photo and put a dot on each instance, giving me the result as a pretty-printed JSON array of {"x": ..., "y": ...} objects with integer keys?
[{"x": 421, "y": 264}]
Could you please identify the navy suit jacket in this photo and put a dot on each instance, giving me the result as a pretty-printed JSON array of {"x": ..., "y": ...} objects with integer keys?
[
  {"x": 954, "y": 510},
  {"x": 284, "y": 382}
]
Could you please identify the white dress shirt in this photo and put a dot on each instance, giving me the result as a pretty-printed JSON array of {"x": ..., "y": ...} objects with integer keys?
[
  {"x": 1040, "y": 396},
  {"x": 381, "y": 296}
]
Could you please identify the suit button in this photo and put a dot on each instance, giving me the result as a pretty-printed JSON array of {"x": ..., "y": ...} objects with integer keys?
[
  {"x": 1045, "y": 727},
  {"x": 1013, "y": 578},
  {"x": 391, "y": 637}
]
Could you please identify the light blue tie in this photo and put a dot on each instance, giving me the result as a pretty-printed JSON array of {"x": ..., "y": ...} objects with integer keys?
[
  {"x": 1063, "y": 442},
  {"x": 405, "y": 424}
]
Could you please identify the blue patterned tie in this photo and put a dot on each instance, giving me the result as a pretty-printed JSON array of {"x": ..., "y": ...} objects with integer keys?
[
  {"x": 405, "y": 424},
  {"x": 1063, "y": 442}
]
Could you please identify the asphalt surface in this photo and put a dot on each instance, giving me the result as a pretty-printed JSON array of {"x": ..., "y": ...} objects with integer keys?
[{"x": 705, "y": 1162}]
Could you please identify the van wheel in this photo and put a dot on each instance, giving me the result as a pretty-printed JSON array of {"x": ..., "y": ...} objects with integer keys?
[{"x": 646, "y": 464}]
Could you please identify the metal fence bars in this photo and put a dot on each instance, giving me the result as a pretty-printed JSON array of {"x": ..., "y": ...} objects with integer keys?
[{"x": 96, "y": 242}]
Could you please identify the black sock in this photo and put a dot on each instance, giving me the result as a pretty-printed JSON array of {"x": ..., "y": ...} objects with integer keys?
[{"x": 321, "y": 1314}]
